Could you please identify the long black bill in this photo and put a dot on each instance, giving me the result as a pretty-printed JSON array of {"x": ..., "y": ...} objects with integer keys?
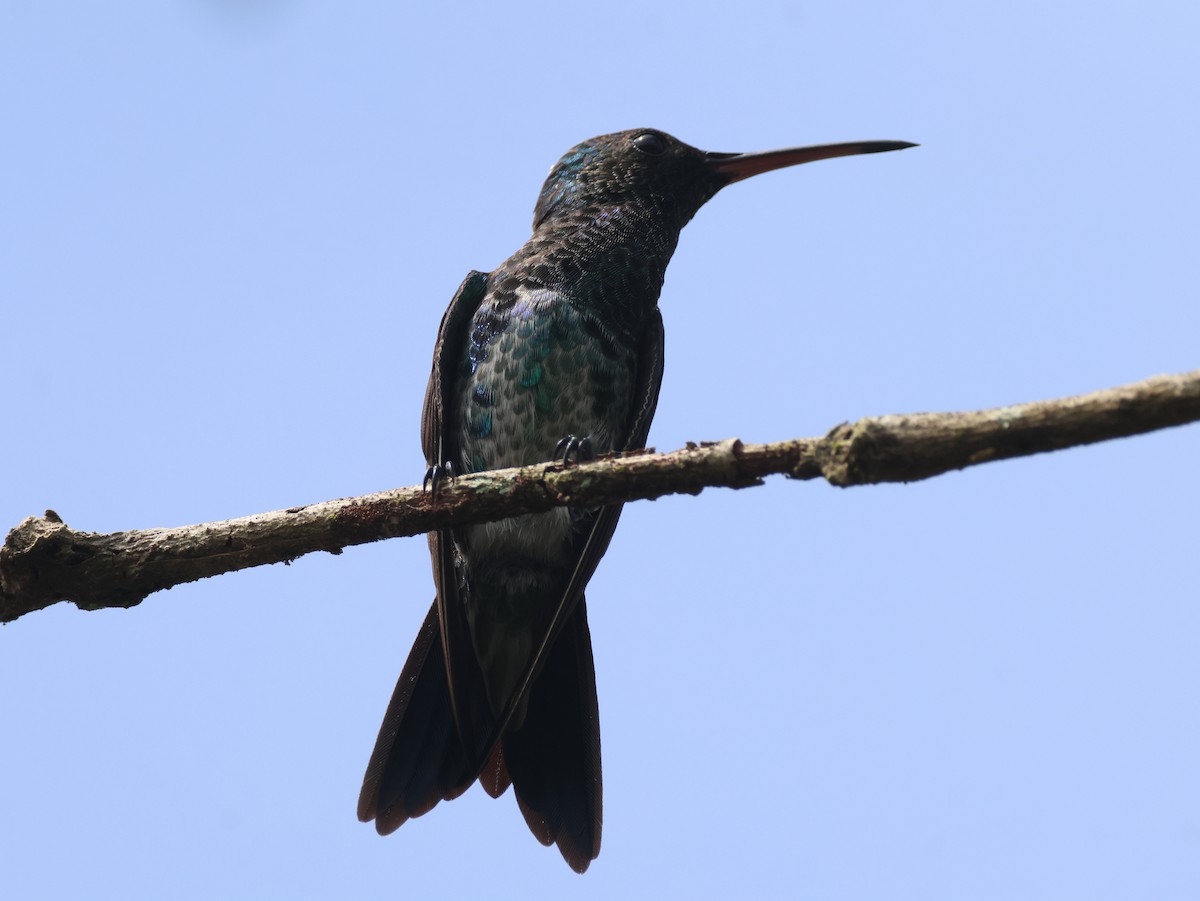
[{"x": 736, "y": 166}]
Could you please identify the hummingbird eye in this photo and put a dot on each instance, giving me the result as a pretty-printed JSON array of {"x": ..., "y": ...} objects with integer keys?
[{"x": 650, "y": 143}]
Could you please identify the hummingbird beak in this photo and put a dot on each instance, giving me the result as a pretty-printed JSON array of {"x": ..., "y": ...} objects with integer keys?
[{"x": 736, "y": 166}]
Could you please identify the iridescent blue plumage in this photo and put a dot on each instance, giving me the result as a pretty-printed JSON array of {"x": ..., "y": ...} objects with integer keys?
[{"x": 563, "y": 339}]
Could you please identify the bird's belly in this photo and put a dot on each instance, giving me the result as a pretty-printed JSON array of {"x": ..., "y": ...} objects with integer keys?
[
  {"x": 536, "y": 371},
  {"x": 546, "y": 375}
]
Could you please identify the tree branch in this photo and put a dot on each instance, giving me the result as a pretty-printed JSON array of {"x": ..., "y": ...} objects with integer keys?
[{"x": 44, "y": 561}]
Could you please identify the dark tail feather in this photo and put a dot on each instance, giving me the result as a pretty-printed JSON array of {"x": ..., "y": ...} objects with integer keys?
[
  {"x": 494, "y": 776},
  {"x": 554, "y": 758},
  {"x": 414, "y": 767}
]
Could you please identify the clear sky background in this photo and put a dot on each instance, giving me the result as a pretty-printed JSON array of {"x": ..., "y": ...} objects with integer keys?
[{"x": 228, "y": 231}]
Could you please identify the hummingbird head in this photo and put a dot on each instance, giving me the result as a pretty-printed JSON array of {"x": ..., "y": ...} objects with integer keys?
[{"x": 647, "y": 166}]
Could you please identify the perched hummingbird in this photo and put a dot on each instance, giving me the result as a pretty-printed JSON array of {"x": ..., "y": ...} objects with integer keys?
[{"x": 557, "y": 353}]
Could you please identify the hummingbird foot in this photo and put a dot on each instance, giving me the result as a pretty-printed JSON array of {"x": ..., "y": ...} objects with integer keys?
[
  {"x": 573, "y": 450},
  {"x": 435, "y": 475}
]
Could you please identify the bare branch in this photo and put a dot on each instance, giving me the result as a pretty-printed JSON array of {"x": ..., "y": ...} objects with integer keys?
[{"x": 44, "y": 561}]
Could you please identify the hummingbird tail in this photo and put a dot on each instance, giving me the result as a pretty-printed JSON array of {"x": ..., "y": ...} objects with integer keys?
[
  {"x": 552, "y": 761},
  {"x": 554, "y": 757},
  {"x": 418, "y": 758}
]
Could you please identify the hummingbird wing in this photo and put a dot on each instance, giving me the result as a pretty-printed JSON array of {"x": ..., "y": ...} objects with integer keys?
[
  {"x": 468, "y": 695},
  {"x": 414, "y": 767},
  {"x": 447, "y": 352}
]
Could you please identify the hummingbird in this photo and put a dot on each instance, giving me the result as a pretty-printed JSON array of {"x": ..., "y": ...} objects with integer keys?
[{"x": 556, "y": 355}]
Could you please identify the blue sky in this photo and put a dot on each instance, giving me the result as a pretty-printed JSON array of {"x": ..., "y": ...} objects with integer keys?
[{"x": 227, "y": 234}]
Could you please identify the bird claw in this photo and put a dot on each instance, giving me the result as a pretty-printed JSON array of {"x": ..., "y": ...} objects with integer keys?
[
  {"x": 571, "y": 449},
  {"x": 435, "y": 475}
]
